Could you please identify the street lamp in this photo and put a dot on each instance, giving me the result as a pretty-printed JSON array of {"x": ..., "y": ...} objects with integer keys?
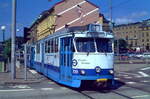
[{"x": 3, "y": 28}]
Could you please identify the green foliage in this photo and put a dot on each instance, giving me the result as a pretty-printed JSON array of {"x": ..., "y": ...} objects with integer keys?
[
  {"x": 123, "y": 45},
  {"x": 7, "y": 49}
]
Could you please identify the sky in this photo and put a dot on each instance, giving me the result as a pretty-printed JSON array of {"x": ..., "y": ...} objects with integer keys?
[{"x": 123, "y": 12}]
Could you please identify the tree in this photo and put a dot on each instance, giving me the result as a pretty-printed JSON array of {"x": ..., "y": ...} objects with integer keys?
[
  {"x": 7, "y": 49},
  {"x": 122, "y": 44}
]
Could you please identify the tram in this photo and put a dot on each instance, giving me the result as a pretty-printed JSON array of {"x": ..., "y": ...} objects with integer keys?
[{"x": 74, "y": 55}]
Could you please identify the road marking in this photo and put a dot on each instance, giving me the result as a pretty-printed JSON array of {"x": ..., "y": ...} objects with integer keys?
[
  {"x": 46, "y": 89},
  {"x": 138, "y": 76},
  {"x": 63, "y": 88},
  {"x": 130, "y": 82},
  {"x": 51, "y": 82},
  {"x": 20, "y": 86},
  {"x": 33, "y": 71},
  {"x": 127, "y": 77},
  {"x": 143, "y": 74},
  {"x": 15, "y": 90},
  {"x": 129, "y": 73},
  {"x": 145, "y": 81},
  {"x": 116, "y": 78},
  {"x": 146, "y": 68},
  {"x": 142, "y": 96}
]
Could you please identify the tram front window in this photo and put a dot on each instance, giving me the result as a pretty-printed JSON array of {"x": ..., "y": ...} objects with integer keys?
[
  {"x": 85, "y": 45},
  {"x": 104, "y": 45}
]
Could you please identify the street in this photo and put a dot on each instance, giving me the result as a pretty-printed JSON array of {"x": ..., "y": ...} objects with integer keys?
[{"x": 132, "y": 82}]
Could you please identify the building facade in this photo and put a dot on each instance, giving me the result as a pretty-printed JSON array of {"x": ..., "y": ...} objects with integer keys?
[
  {"x": 144, "y": 40},
  {"x": 66, "y": 13},
  {"x": 136, "y": 35}
]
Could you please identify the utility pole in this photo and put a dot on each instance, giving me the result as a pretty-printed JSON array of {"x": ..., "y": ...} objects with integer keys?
[
  {"x": 13, "y": 35},
  {"x": 111, "y": 24}
]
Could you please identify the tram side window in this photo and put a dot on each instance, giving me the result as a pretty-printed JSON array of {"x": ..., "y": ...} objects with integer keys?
[
  {"x": 56, "y": 45},
  {"x": 104, "y": 45},
  {"x": 38, "y": 48},
  {"x": 85, "y": 45},
  {"x": 48, "y": 45}
]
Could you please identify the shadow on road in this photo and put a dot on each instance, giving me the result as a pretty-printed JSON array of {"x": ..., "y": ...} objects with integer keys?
[{"x": 89, "y": 87}]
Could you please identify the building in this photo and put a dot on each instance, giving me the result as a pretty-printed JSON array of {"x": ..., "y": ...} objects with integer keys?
[
  {"x": 64, "y": 14},
  {"x": 136, "y": 35},
  {"x": 144, "y": 40}
]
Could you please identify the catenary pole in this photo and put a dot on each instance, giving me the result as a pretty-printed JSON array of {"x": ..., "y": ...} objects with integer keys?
[{"x": 13, "y": 35}]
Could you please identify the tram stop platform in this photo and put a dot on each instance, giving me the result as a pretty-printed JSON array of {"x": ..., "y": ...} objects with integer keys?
[{"x": 32, "y": 77}]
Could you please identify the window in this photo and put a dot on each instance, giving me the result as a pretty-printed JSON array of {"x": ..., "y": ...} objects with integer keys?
[
  {"x": 85, "y": 45},
  {"x": 56, "y": 45},
  {"x": 38, "y": 48},
  {"x": 46, "y": 47},
  {"x": 49, "y": 47},
  {"x": 104, "y": 45},
  {"x": 147, "y": 40},
  {"x": 147, "y": 34}
]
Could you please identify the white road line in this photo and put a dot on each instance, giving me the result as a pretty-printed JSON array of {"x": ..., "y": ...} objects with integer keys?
[
  {"x": 141, "y": 96},
  {"x": 16, "y": 90},
  {"x": 129, "y": 73},
  {"x": 20, "y": 86},
  {"x": 46, "y": 89},
  {"x": 33, "y": 71},
  {"x": 127, "y": 77},
  {"x": 138, "y": 76},
  {"x": 116, "y": 78},
  {"x": 146, "y": 68},
  {"x": 145, "y": 81},
  {"x": 130, "y": 82},
  {"x": 143, "y": 74}
]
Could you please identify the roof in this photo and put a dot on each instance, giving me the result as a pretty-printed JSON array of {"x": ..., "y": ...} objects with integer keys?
[{"x": 45, "y": 13}]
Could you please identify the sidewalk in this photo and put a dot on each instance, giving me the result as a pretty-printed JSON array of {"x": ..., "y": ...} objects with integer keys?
[{"x": 5, "y": 78}]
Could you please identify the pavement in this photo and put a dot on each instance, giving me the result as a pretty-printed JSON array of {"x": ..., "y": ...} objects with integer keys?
[{"x": 32, "y": 77}]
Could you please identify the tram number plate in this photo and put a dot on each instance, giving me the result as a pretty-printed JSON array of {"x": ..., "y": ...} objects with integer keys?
[{"x": 101, "y": 80}]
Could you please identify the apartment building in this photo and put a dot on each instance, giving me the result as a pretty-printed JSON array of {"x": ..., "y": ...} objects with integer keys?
[
  {"x": 64, "y": 14},
  {"x": 136, "y": 34}
]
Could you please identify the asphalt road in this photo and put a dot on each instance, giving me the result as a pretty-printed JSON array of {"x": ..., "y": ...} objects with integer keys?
[{"x": 132, "y": 82}]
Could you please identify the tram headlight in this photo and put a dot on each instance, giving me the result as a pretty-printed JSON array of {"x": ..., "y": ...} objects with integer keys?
[
  {"x": 82, "y": 72},
  {"x": 111, "y": 71},
  {"x": 98, "y": 69}
]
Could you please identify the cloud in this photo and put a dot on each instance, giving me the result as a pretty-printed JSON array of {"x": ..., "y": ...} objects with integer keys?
[
  {"x": 138, "y": 14},
  {"x": 131, "y": 17},
  {"x": 123, "y": 20}
]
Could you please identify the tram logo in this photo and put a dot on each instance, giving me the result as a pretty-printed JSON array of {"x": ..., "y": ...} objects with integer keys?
[{"x": 74, "y": 62}]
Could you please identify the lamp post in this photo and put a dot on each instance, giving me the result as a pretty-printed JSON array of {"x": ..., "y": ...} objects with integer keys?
[
  {"x": 13, "y": 35},
  {"x": 3, "y": 28}
]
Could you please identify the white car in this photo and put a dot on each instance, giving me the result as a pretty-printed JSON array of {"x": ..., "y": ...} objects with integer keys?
[{"x": 146, "y": 55}]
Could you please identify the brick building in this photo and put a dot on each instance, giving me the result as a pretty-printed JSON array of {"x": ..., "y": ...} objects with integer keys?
[{"x": 65, "y": 13}]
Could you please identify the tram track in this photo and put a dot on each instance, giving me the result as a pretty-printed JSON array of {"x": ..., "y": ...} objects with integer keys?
[
  {"x": 88, "y": 95},
  {"x": 114, "y": 91}
]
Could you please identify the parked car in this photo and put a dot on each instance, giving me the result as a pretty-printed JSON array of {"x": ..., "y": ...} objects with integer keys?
[{"x": 146, "y": 55}]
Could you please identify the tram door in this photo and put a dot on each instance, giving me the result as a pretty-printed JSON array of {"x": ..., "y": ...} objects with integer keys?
[
  {"x": 66, "y": 58},
  {"x": 42, "y": 66},
  {"x": 32, "y": 57}
]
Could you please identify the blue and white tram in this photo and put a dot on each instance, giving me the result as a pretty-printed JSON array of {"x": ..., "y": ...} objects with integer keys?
[{"x": 75, "y": 55}]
